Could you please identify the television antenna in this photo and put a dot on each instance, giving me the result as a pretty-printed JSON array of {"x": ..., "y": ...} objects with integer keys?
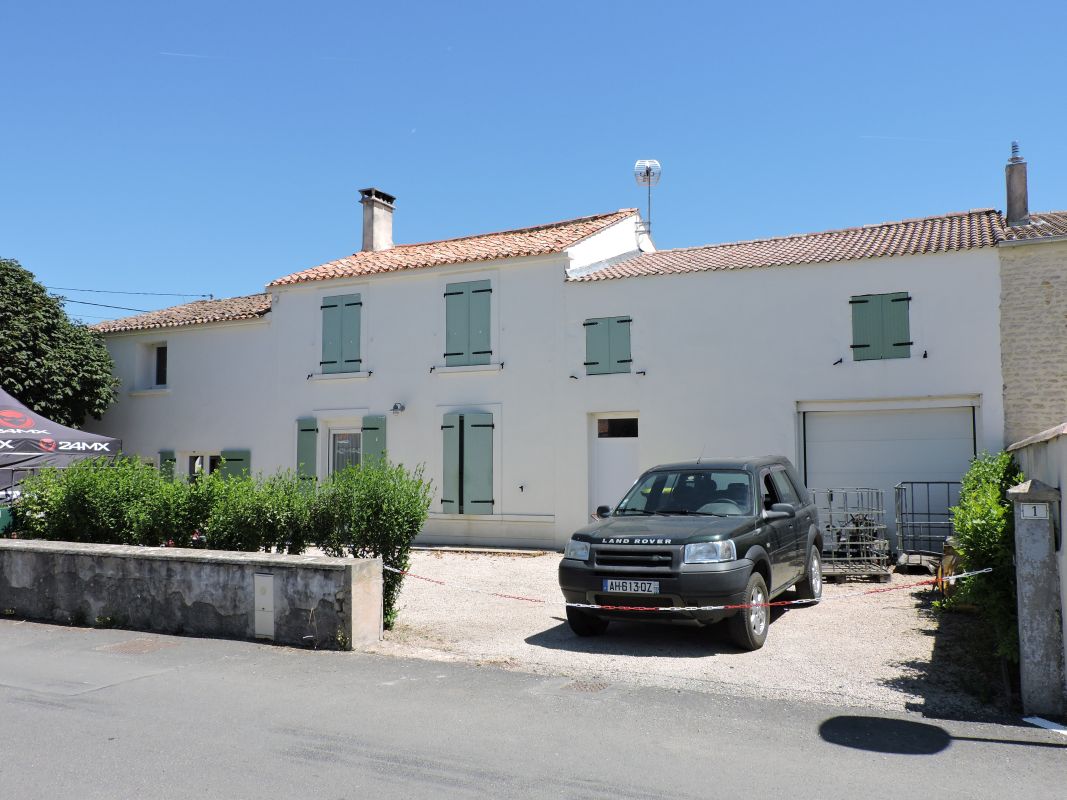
[{"x": 647, "y": 172}]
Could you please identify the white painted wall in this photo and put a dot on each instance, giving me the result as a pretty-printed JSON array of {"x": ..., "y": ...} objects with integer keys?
[{"x": 728, "y": 356}]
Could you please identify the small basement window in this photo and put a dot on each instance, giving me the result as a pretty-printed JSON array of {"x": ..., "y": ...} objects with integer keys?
[{"x": 616, "y": 428}]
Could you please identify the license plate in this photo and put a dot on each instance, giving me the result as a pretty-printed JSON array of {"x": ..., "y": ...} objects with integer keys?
[{"x": 631, "y": 586}]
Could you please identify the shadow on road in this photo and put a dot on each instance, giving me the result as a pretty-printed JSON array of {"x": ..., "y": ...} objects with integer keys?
[
  {"x": 903, "y": 737},
  {"x": 645, "y": 639}
]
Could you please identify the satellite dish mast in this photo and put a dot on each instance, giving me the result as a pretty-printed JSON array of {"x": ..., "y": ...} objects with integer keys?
[{"x": 646, "y": 173}]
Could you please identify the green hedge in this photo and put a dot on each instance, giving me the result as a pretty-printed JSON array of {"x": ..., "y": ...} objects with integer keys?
[
  {"x": 985, "y": 533},
  {"x": 376, "y": 510},
  {"x": 373, "y": 510}
]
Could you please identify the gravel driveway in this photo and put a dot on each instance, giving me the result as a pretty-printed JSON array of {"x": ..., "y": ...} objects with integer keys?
[{"x": 878, "y": 651}]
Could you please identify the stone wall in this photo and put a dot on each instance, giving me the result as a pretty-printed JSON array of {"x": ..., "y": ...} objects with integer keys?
[
  {"x": 1043, "y": 457},
  {"x": 318, "y": 601},
  {"x": 1033, "y": 330}
]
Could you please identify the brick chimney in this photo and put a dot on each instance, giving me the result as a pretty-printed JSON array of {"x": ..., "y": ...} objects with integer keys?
[
  {"x": 1015, "y": 177},
  {"x": 378, "y": 218}
]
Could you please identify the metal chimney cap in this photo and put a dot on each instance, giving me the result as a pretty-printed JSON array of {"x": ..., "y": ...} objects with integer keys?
[
  {"x": 371, "y": 193},
  {"x": 1015, "y": 157}
]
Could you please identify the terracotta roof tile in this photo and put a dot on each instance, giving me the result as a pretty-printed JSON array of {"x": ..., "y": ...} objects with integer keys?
[
  {"x": 198, "y": 313},
  {"x": 543, "y": 239},
  {"x": 965, "y": 230},
  {"x": 1042, "y": 225}
]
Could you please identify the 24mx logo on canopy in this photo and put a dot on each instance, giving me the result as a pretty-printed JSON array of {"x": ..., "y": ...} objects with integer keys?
[{"x": 13, "y": 418}]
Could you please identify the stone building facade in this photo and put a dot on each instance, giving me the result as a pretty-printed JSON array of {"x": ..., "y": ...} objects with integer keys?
[{"x": 1033, "y": 323}]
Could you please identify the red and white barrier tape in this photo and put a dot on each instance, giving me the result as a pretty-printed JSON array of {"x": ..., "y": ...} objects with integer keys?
[{"x": 949, "y": 579}]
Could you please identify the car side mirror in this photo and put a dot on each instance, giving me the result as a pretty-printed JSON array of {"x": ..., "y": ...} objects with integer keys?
[
  {"x": 780, "y": 511},
  {"x": 603, "y": 511}
]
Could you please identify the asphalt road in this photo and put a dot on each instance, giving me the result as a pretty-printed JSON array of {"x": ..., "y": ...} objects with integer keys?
[{"x": 116, "y": 714}]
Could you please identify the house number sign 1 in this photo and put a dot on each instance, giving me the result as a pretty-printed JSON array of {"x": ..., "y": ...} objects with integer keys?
[{"x": 1035, "y": 510}]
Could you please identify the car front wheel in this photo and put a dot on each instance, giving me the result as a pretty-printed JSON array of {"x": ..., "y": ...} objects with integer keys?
[
  {"x": 748, "y": 627},
  {"x": 810, "y": 588},
  {"x": 584, "y": 623}
]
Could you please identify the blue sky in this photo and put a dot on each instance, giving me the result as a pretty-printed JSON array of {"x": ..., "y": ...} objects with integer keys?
[{"x": 211, "y": 147}]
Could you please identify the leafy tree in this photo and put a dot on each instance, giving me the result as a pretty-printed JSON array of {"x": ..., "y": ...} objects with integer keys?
[{"x": 57, "y": 367}]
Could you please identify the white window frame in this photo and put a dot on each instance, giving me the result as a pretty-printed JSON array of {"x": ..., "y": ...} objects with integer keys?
[{"x": 333, "y": 431}]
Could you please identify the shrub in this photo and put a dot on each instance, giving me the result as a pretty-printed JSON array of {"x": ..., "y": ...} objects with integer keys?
[
  {"x": 249, "y": 514},
  {"x": 375, "y": 510},
  {"x": 985, "y": 535},
  {"x": 92, "y": 500}
]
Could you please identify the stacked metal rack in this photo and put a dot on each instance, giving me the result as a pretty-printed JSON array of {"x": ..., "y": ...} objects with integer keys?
[
  {"x": 853, "y": 533},
  {"x": 924, "y": 518}
]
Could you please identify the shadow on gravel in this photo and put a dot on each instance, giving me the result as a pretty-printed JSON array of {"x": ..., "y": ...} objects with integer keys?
[
  {"x": 903, "y": 737},
  {"x": 960, "y": 680},
  {"x": 645, "y": 639}
]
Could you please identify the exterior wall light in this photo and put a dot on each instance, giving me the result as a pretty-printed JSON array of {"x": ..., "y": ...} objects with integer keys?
[{"x": 398, "y": 408}]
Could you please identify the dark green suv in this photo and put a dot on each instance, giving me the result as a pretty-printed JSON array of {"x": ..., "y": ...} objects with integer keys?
[{"x": 704, "y": 533}]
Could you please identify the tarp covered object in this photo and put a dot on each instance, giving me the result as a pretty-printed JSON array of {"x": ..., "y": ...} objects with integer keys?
[{"x": 28, "y": 442}]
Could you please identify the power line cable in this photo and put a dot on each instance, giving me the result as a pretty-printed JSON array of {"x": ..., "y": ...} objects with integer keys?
[
  {"x": 104, "y": 305},
  {"x": 108, "y": 291}
]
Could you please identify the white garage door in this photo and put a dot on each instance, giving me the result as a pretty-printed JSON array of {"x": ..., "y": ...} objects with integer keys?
[{"x": 879, "y": 449}]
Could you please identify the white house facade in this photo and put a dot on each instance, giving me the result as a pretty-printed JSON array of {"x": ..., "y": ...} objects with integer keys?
[{"x": 535, "y": 373}]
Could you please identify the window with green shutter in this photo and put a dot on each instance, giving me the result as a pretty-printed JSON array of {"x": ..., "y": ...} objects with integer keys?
[
  {"x": 307, "y": 438},
  {"x": 467, "y": 477},
  {"x": 468, "y": 316},
  {"x": 235, "y": 462},
  {"x": 881, "y": 326},
  {"x": 373, "y": 431},
  {"x": 607, "y": 345},
  {"x": 167, "y": 459},
  {"x": 340, "y": 333}
]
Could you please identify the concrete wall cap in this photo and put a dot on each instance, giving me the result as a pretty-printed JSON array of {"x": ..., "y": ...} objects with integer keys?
[
  {"x": 1037, "y": 438},
  {"x": 1035, "y": 491},
  {"x": 265, "y": 560}
]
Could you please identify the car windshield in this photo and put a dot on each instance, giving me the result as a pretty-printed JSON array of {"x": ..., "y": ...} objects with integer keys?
[{"x": 710, "y": 492}]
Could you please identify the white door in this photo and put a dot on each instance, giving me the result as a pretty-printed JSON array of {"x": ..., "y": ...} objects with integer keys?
[
  {"x": 879, "y": 449},
  {"x": 616, "y": 463}
]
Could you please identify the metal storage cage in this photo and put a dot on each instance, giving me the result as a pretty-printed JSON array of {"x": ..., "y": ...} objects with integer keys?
[
  {"x": 853, "y": 531},
  {"x": 924, "y": 516}
]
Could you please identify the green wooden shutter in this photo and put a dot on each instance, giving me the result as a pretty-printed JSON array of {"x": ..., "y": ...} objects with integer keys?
[
  {"x": 351, "y": 308},
  {"x": 450, "y": 429},
  {"x": 331, "y": 335},
  {"x": 480, "y": 310},
  {"x": 457, "y": 325},
  {"x": 307, "y": 436},
  {"x": 867, "y": 334},
  {"x": 167, "y": 460},
  {"x": 619, "y": 341},
  {"x": 236, "y": 462},
  {"x": 373, "y": 439},
  {"x": 478, "y": 464},
  {"x": 597, "y": 346},
  {"x": 896, "y": 327}
]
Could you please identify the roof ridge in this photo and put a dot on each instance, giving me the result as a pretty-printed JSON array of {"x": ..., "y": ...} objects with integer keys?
[
  {"x": 504, "y": 232},
  {"x": 832, "y": 231}
]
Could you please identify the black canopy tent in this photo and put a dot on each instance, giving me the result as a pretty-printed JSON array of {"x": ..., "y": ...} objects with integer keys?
[{"x": 29, "y": 442}]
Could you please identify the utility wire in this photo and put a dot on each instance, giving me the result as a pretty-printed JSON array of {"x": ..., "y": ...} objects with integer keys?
[
  {"x": 104, "y": 305},
  {"x": 107, "y": 291}
]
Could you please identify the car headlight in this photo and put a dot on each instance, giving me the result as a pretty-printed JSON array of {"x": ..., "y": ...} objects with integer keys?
[
  {"x": 710, "y": 552},
  {"x": 577, "y": 550}
]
